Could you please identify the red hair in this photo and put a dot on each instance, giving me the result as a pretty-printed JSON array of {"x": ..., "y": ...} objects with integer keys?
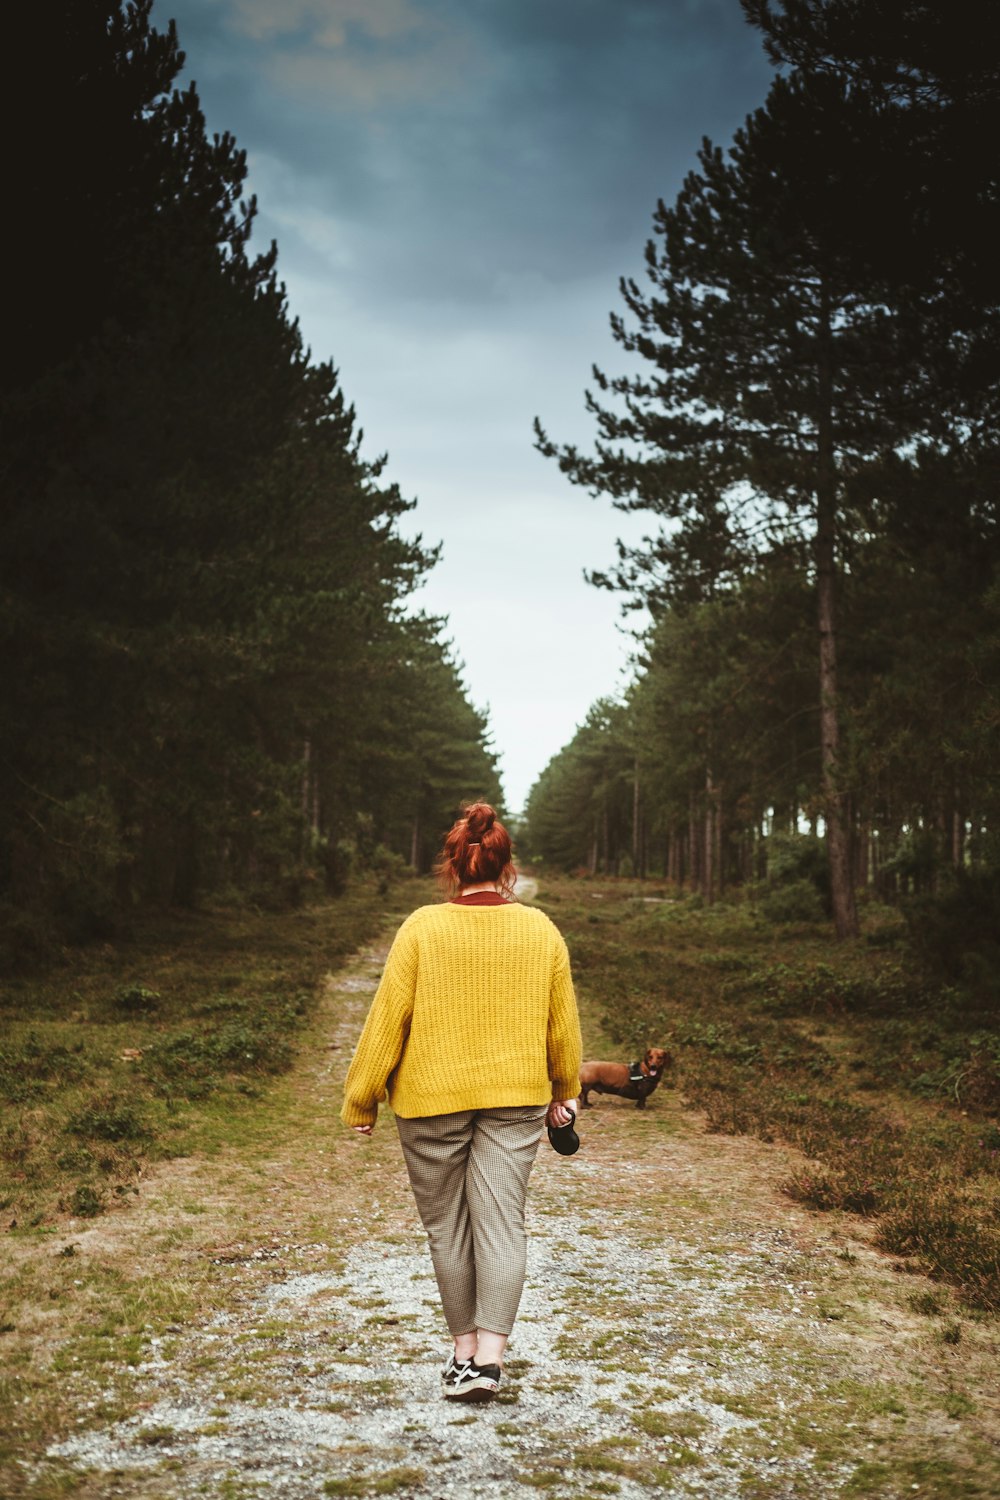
[{"x": 477, "y": 849}]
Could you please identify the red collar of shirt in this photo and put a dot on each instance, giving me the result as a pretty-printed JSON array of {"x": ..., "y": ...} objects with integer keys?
[{"x": 480, "y": 898}]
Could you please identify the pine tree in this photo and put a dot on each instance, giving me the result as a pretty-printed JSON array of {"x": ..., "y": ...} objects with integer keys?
[
  {"x": 579, "y": 812},
  {"x": 776, "y": 372},
  {"x": 201, "y": 580},
  {"x": 932, "y": 76}
]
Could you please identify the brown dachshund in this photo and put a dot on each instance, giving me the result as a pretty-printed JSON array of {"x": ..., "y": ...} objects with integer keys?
[{"x": 629, "y": 1082}]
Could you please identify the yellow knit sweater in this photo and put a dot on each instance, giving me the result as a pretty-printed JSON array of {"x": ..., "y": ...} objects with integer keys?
[{"x": 475, "y": 1010}]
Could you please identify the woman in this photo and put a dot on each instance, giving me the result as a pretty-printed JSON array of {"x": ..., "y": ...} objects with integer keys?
[{"x": 474, "y": 1034}]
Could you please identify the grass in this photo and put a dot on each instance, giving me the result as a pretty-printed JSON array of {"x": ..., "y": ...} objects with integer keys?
[
  {"x": 886, "y": 1081},
  {"x": 130, "y": 1053},
  {"x": 386, "y": 1483}
]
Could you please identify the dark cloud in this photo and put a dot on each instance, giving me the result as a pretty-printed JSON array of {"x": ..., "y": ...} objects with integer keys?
[
  {"x": 525, "y": 135},
  {"x": 455, "y": 187}
]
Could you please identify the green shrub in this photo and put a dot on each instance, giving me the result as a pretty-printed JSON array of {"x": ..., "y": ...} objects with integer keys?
[
  {"x": 710, "y": 1036},
  {"x": 29, "y": 938},
  {"x": 83, "y": 857},
  {"x": 915, "y": 858},
  {"x": 252, "y": 1043},
  {"x": 970, "y": 1076},
  {"x": 725, "y": 963},
  {"x": 87, "y": 1202},
  {"x": 798, "y": 901},
  {"x": 949, "y": 1236},
  {"x": 795, "y": 859},
  {"x": 338, "y": 860},
  {"x": 136, "y": 999},
  {"x": 388, "y": 867},
  {"x": 111, "y": 1117},
  {"x": 956, "y": 932},
  {"x": 802, "y": 989},
  {"x": 928, "y": 1304},
  {"x": 76, "y": 1159},
  {"x": 26, "y": 1070},
  {"x": 244, "y": 1047},
  {"x": 825, "y": 1191}
]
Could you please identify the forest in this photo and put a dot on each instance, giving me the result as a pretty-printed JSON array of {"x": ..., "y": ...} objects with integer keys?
[
  {"x": 806, "y": 404},
  {"x": 214, "y": 682},
  {"x": 228, "y": 731}
]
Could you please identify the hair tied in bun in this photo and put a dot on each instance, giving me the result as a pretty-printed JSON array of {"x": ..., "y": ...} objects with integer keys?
[{"x": 492, "y": 859}]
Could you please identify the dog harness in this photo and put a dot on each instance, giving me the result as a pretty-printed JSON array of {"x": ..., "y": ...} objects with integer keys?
[{"x": 635, "y": 1073}]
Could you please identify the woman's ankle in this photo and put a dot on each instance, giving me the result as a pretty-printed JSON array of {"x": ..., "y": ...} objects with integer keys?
[
  {"x": 491, "y": 1347},
  {"x": 465, "y": 1345}
]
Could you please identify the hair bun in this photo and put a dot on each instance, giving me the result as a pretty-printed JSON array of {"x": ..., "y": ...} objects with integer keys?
[
  {"x": 479, "y": 819},
  {"x": 477, "y": 851}
]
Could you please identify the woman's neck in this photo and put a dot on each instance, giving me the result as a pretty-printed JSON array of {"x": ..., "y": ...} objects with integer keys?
[{"x": 484, "y": 885}]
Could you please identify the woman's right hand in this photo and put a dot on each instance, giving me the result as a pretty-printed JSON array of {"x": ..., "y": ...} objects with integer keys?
[
  {"x": 363, "y": 1129},
  {"x": 560, "y": 1112}
]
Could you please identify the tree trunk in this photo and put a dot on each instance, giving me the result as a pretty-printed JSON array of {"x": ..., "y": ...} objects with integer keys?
[
  {"x": 311, "y": 802},
  {"x": 636, "y": 863},
  {"x": 709, "y": 855},
  {"x": 693, "y": 850},
  {"x": 834, "y": 797},
  {"x": 186, "y": 869},
  {"x": 415, "y": 843},
  {"x": 306, "y": 757}
]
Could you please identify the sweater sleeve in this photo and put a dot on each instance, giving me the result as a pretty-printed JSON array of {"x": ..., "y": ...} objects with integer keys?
[
  {"x": 383, "y": 1038},
  {"x": 564, "y": 1044}
]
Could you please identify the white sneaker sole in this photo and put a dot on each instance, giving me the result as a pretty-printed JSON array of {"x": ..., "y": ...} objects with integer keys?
[{"x": 483, "y": 1388}]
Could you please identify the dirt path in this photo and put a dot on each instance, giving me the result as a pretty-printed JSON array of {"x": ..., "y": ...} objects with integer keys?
[{"x": 685, "y": 1330}]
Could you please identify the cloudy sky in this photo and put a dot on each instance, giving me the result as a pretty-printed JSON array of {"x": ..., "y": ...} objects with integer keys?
[{"x": 456, "y": 187}]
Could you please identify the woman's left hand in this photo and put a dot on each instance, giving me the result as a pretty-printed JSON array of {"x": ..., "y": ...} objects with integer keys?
[
  {"x": 363, "y": 1129},
  {"x": 560, "y": 1112}
]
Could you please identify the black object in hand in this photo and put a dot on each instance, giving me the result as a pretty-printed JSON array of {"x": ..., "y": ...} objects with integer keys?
[{"x": 564, "y": 1138}]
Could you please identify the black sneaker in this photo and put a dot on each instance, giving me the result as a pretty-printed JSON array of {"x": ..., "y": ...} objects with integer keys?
[
  {"x": 452, "y": 1367},
  {"x": 464, "y": 1380}
]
